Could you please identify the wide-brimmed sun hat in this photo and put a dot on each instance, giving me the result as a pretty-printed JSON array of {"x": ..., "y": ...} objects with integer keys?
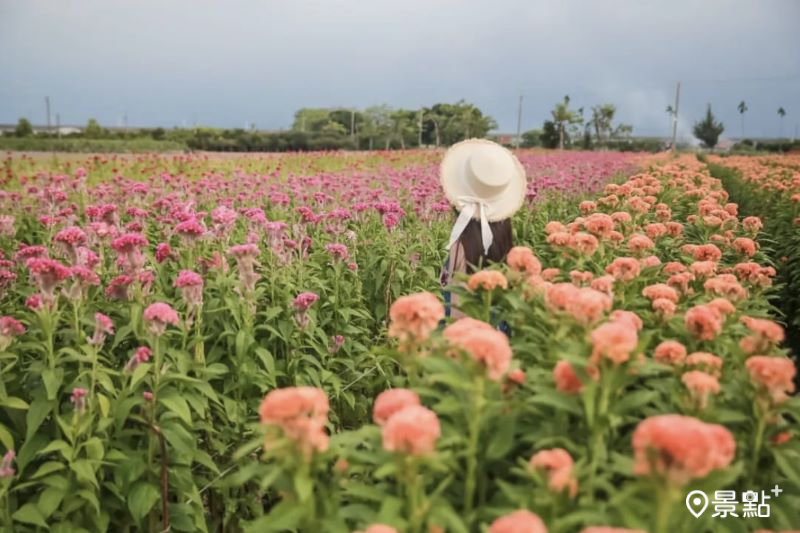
[{"x": 484, "y": 181}]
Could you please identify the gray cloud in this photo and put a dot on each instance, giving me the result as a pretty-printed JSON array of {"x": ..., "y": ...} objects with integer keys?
[{"x": 174, "y": 62}]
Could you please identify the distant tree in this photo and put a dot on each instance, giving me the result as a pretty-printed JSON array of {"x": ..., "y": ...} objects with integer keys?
[
  {"x": 404, "y": 126},
  {"x": 24, "y": 128},
  {"x": 781, "y": 113},
  {"x": 563, "y": 117},
  {"x": 742, "y": 107},
  {"x": 551, "y": 136},
  {"x": 311, "y": 119},
  {"x": 531, "y": 138},
  {"x": 158, "y": 134},
  {"x": 602, "y": 116},
  {"x": 708, "y": 130},
  {"x": 93, "y": 130},
  {"x": 377, "y": 125},
  {"x": 349, "y": 119}
]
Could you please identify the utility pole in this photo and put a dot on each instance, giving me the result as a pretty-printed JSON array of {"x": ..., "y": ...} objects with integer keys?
[
  {"x": 675, "y": 116},
  {"x": 419, "y": 129},
  {"x": 47, "y": 105},
  {"x": 352, "y": 124},
  {"x": 58, "y": 125},
  {"x": 125, "y": 122},
  {"x": 519, "y": 122}
]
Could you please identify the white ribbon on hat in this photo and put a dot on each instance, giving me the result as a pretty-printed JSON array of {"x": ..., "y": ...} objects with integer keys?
[{"x": 470, "y": 204}]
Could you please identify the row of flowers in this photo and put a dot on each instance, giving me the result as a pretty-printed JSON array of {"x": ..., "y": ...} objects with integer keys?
[
  {"x": 642, "y": 365},
  {"x": 145, "y": 316}
]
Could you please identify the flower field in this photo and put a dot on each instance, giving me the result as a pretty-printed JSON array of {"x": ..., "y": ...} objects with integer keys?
[{"x": 230, "y": 343}]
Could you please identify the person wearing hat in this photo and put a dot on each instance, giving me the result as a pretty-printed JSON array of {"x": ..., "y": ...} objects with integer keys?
[{"x": 486, "y": 185}]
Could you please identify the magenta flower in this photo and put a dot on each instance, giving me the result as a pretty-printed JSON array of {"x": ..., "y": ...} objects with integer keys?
[
  {"x": 191, "y": 286},
  {"x": 6, "y": 470},
  {"x": 301, "y": 304},
  {"x": 10, "y": 327},
  {"x": 78, "y": 399},
  {"x": 190, "y": 230},
  {"x": 141, "y": 355},
  {"x": 128, "y": 243},
  {"x": 103, "y": 326},
  {"x": 338, "y": 251},
  {"x": 46, "y": 274},
  {"x": 158, "y": 316},
  {"x": 163, "y": 252},
  {"x": 337, "y": 341}
]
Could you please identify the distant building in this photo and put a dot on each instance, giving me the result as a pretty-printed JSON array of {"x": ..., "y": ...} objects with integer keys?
[
  {"x": 9, "y": 129},
  {"x": 506, "y": 139}
]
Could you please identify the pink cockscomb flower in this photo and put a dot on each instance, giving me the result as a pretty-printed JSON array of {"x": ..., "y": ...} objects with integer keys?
[
  {"x": 613, "y": 341},
  {"x": 103, "y": 326},
  {"x": 301, "y": 414},
  {"x": 191, "y": 286},
  {"x": 518, "y": 522},
  {"x": 301, "y": 304},
  {"x": 414, "y": 317},
  {"x": 557, "y": 463},
  {"x": 701, "y": 385},
  {"x": 78, "y": 399},
  {"x": 141, "y": 355},
  {"x": 6, "y": 470},
  {"x": 190, "y": 230},
  {"x": 10, "y": 327},
  {"x": 488, "y": 347},
  {"x": 246, "y": 255},
  {"x": 338, "y": 251},
  {"x": 773, "y": 375},
  {"x": 379, "y": 528},
  {"x": 567, "y": 380},
  {"x": 670, "y": 352},
  {"x": 487, "y": 280},
  {"x": 392, "y": 401},
  {"x": 413, "y": 430},
  {"x": 163, "y": 252},
  {"x": 522, "y": 259},
  {"x": 680, "y": 448},
  {"x": 158, "y": 316},
  {"x": 624, "y": 268},
  {"x": 704, "y": 322}
]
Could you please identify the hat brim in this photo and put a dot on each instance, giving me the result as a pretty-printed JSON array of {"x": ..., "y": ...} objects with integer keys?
[{"x": 452, "y": 177}]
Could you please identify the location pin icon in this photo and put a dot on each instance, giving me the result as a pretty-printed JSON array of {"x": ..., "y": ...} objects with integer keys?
[{"x": 697, "y": 502}]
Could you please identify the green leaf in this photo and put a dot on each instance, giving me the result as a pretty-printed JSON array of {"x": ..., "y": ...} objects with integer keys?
[
  {"x": 558, "y": 401},
  {"x": 104, "y": 404},
  {"x": 177, "y": 404},
  {"x": 502, "y": 437},
  {"x": 285, "y": 516},
  {"x": 139, "y": 373},
  {"x": 6, "y": 438},
  {"x": 30, "y": 514},
  {"x": 48, "y": 468},
  {"x": 49, "y": 500},
  {"x": 84, "y": 471},
  {"x": 13, "y": 402},
  {"x": 37, "y": 412},
  {"x": 52, "y": 382},
  {"x": 141, "y": 499}
]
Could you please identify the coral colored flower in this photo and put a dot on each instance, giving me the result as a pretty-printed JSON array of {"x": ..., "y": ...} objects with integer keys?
[
  {"x": 488, "y": 347},
  {"x": 703, "y": 322},
  {"x": 624, "y": 268},
  {"x": 599, "y": 224},
  {"x": 752, "y": 224},
  {"x": 701, "y": 385},
  {"x": 781, "y": 438},
  {"x": 587, "y": 305},
  {"x": 413, "y": 430},
  {"x": 660, "y": 291},
  {"x": 521, "y": 258},
  {"x": 487, "y": 280},
  {"x": 463, "y": 327},
  {"x": 566, "y": 379},
  {"x": 775, "y": 375},
  {"x": 708, "y": 362},
  {"x": 549, "y": 274},
  {"x": 604, "y": 284},
  {"x": 379, "y": 528},
  {"x": 517, "y": 376},
  {"x": 579, "y": 278},
  {"x": 390, "y": 402},
  {"x": 414, "y": 317},
  {"x": 680, "y": 448},
  {"x": 584, "y": 243},
  {"x": 301, "y": 413},
  {"x": 724, "y": 307},
  {"x": 518, "y": 522},
  {"x": 651, "y": 261},
  {"x": 626, "y": 317},
  {"x": 670, "y": 352},
  {"x": 613, "y": 341},
  {"x": 638, "y": 243},
  {"x": 158, "y": 316},
  {"x": 558, "y": 464}
]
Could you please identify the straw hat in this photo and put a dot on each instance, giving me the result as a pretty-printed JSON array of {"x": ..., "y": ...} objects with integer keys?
[{"x": 484, "y": 181}]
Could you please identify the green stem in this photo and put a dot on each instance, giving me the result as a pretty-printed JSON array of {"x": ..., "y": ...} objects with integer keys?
[
  {"x": 666, "y": 497},
  {"x": 758, "y": 439},
  {"x": 487, "y": 306},
  {"x": 474, "y": 424},
  {"x": 415, "y": 510}
]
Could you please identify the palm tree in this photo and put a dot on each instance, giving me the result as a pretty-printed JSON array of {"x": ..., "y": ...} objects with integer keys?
[
  {"x": 562, "y": 116},
  {"x": 742, "y": 107},
  {"x": 781, "y": 113}
]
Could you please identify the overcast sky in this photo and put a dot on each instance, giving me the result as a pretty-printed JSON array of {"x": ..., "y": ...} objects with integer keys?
[{"x": 233, "y": 62}]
